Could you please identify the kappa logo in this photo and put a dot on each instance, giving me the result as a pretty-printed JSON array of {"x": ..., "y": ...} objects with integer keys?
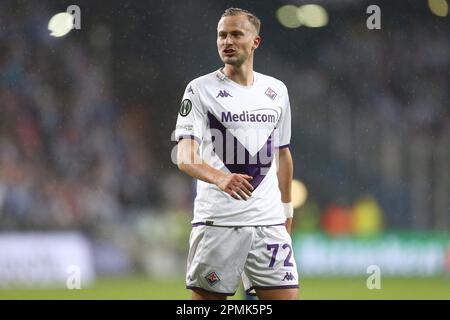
[
  {"x": 190, "y": 90},
  {"x": 271, "y": 94},
  {"x": 288, "y": 276},
  {"x": 223, "y": 94},
  {"x": 212, "y": 278}
]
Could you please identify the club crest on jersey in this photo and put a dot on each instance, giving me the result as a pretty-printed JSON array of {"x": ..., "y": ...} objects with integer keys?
[
  {"x": 212, "y": 278},
  {"x": 185, "y": 108},
  {"x": 271, "y": 94},
  {"x": 223, "y": 94}
]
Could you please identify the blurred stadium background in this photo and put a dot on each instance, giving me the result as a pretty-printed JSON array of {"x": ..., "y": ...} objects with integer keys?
[{"x": 88, "y": 188}]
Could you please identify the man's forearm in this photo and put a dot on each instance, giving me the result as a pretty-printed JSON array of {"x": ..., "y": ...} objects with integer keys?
[
  {"x": 285, "y": 172},
  {"x": 235, "y": 184},
  {"x": 202, "y": 171},
  {"x": 190, "y": 163}
]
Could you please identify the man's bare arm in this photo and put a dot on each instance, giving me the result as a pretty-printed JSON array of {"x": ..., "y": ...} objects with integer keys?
[
  {"x": 285, "y": 172},
  {"x": 189, "y": 162}
]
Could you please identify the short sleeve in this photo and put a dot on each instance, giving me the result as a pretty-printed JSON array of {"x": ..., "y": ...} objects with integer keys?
[
  {"x": 283, "y": 130},
  {"x": 191, "y": 122}
]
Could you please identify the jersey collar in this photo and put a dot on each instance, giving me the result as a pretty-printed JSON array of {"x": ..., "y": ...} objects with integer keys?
[{"x": 222, "y": 77}]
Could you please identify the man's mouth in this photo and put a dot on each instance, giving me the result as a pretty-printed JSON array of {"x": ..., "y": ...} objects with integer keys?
[{"x": 229, "y": 51}]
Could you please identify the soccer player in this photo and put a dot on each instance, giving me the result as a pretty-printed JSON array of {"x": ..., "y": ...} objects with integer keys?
[{"x": 233, "y": 132}]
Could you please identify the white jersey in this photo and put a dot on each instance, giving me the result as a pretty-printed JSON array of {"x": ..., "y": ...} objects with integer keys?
[{"x": 238, "y": 129}]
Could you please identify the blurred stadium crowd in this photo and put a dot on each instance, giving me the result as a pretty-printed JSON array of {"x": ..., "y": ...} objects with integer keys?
[
  {"x": 371, "y": 116},
  {"x": 374, "y": 117},
  {"x": 69, "y": 155}
]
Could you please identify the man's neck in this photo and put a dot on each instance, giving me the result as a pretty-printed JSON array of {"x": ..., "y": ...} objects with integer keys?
[{"x": 242, "y": 75}]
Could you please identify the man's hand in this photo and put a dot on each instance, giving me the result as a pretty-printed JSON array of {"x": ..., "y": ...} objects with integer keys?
[{"x": 236, "y": 185}]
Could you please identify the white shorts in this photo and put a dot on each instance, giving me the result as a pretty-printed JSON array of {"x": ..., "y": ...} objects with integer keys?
[{"x": 220, "y": 256}]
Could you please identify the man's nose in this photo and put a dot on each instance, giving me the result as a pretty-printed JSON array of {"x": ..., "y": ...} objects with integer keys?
[{"x": 228, "y": 39}]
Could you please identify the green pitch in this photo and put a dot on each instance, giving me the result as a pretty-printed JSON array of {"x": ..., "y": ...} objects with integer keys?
[{"x": 141, "y": 287}]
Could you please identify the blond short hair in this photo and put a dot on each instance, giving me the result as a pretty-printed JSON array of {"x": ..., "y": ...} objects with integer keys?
[{"x": 254, "y": 20}]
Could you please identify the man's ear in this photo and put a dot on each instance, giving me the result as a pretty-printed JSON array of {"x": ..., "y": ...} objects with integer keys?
[{"x": 256, "y": 42}]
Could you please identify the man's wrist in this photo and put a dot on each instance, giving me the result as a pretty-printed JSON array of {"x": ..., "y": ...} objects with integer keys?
[
  {"x": 219, "y": 177},
  {"x": 288, "y": 209}
]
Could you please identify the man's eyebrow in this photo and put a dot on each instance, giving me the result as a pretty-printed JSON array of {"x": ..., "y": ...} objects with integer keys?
[{"x": 232, "y": 32}]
